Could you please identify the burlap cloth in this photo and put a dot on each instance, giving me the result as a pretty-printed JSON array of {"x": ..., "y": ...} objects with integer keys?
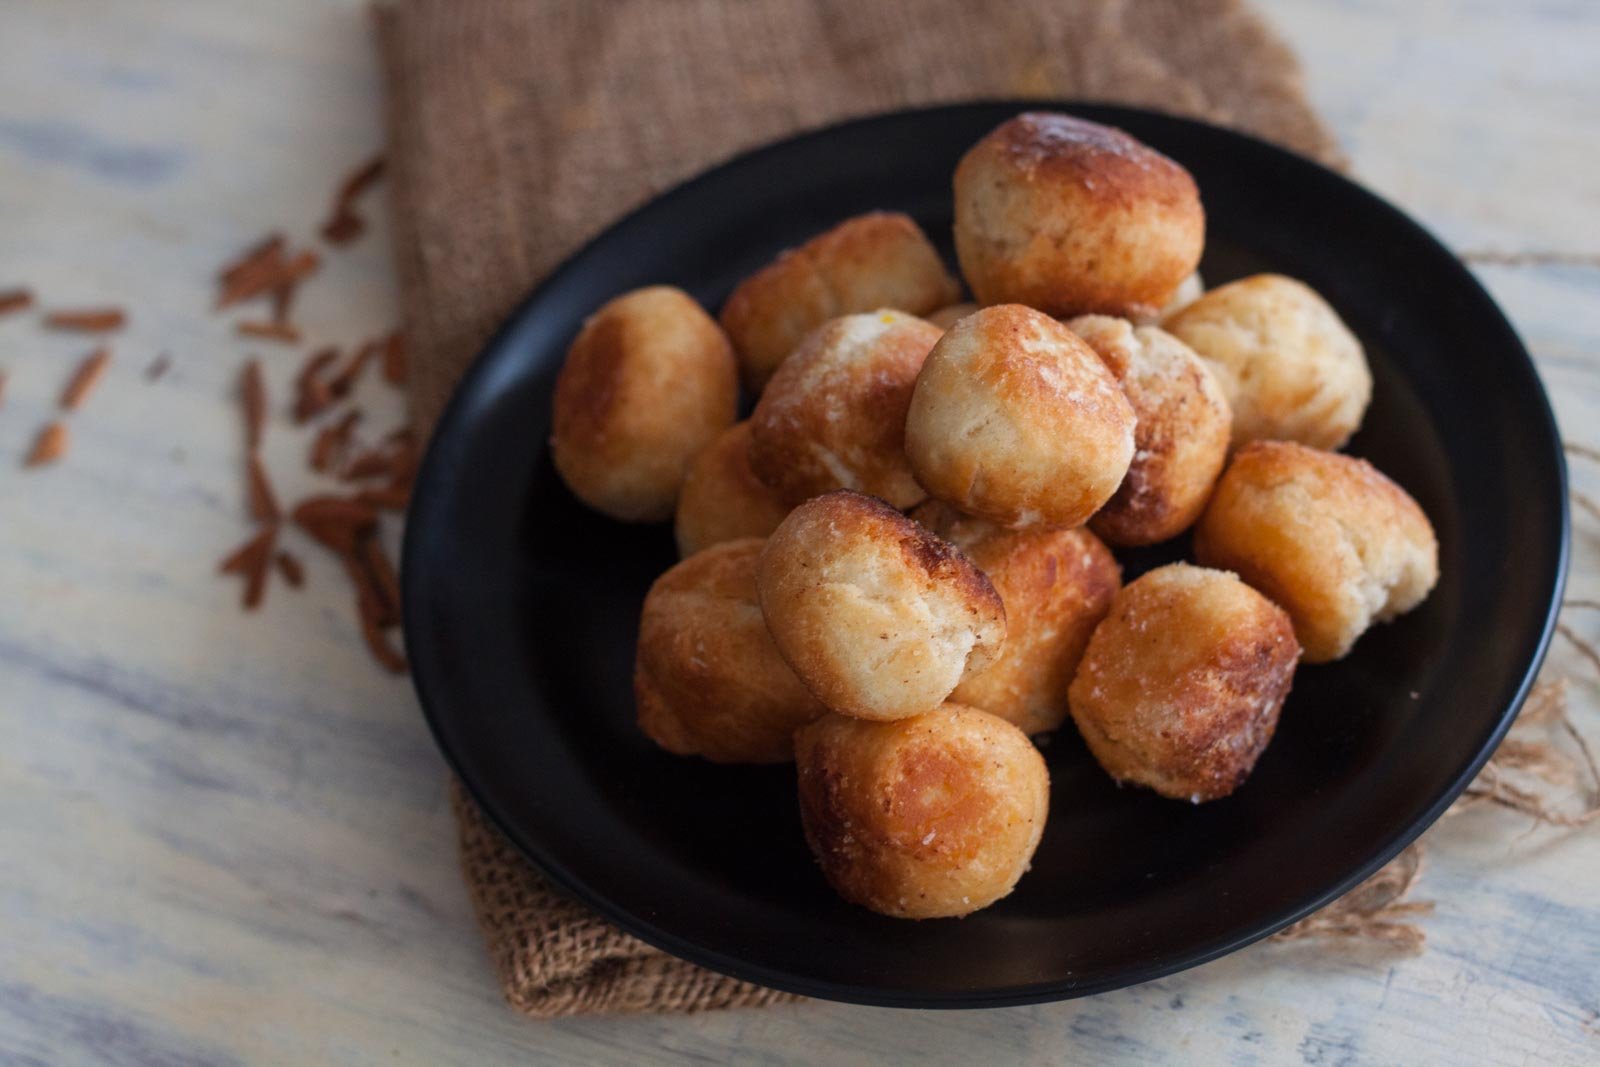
[{"x": 518, "y": 128}]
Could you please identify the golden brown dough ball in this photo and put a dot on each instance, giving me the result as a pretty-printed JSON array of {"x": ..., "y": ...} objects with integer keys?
[
  {"x": 1327, "y": 536},
  {"x": 1056, "y": 585},
  {"x": 1289, "y": 366},
  {"x": 722, "y": 499},
  {"x": 834, "y": 415},
  {"x": 1072, "y": 217},
  {"x": 929, "y": 817},
  {"x": 707, "y": 680},
  {"x": 878, "y": 260},
  {"x": 876, "y": 614},
  {"x": 947, "y": 317},
  {"x": 1182, "y": 683},
  {"x": 1180, "y": 439},
  {"x": 1014, "y": 419},
  {"x": 649, "y": 382}
]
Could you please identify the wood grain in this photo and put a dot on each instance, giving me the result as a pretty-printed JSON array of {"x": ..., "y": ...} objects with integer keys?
[{"x": 225, "y": 839}]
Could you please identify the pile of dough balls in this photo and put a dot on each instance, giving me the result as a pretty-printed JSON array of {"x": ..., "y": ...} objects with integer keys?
[{"x": 895, "y": 571}]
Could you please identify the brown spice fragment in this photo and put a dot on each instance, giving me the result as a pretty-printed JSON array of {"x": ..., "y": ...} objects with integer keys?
[
  {"x": 343, "y": 224},
  {"x": 49, "y": 446},
  {"x": 268, "y": 273},
  {"x": 263, "y": 501},
  {"x": 382, "y": 651},
  {"x": 18, "y": 299},
  {"x": 84, "y": 379},
  {"x": 385, "y": 583},
  {"x": 253, "y": 395},
  {"x": 290, "y": 567},
  {"x": 395, "y": 368},
  {"x": 252, "y": 560},
  {"x": 343, "y": 227},
  {"x": 332, "y": 442},
  {"x": 87, "y": 320},
  {"x": 369, "y": 464},
  {"x": 389, "y": 498},
  {"x": 269, "y": 331},
  {"x": 344, "y": 381},
  {"x": 336, "y": 522},
  {"x": 312, "y": 396},
  {"x": 158, "y": 367},
  {"x": 252, "y": 259}
]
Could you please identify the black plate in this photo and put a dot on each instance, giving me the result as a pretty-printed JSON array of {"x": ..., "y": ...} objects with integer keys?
[{"x": 521, "y": 608}]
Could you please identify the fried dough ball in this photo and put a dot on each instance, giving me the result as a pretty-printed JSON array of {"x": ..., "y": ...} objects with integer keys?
[
  {"x": 1180, "y": 438},
  {"x": 1182, "y": 683},
  {"x": 877, "y": 616},
  {"x": 1056, "y": 585},
  {"x": 1072, "y": 217},
  {"x": 1290, "y": 368},
  {"x": 707, "y": 680},
  {"x": 649, "y": 381},
  {"x": 722, "y": 499},
  {"x": 881, "y": 259},
  {"x": 1327, "y": 536},
  {"x": 1014, "y": 419},
  {"x": 947, "y": 317},
  {"x": 929, "y": 817},
  {"x": 834, "y": 415}
]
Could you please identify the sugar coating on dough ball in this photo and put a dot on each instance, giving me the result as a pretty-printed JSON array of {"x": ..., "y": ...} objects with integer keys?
[
  {"x": 649, "y": 381},
  {"x": 834, "y": 415},
  {"x": 947, "y": 317},
  {"x": 1016, "y": 420},
  {"x": 929, "y": 817},
  {"x": 1181, "y": 686},
  {"x": 878, "y": 260},
  {"x": 1056, "y": 585},
  {"x": 1289, "y": 366},
  {"x": 879, "y": 617},
  {"x": 708, "y": 681},
  {"x": 1072, "y": 217},
  {"x": 1180, "y": 437},
  {"x": 722, "y": 499},
  {"x": 1327, "y": 536}
]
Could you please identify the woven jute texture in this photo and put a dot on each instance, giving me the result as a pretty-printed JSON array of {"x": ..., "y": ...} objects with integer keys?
[{"x": 518, "y": 128}]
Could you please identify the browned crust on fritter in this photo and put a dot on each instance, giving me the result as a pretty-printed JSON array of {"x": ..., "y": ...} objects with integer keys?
[{"x": 771, "y": 311}]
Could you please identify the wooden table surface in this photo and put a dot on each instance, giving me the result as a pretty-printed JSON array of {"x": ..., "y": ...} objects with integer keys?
[{"x": 224, "y": 838}]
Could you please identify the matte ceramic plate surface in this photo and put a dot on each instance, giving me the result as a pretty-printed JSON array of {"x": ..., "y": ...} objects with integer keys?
[{"x": 522, "y": 607}]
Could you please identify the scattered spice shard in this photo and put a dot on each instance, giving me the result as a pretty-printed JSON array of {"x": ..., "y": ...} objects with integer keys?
[
  {"x": 253, "y": 396},
  {"x": 312, "y": 396},
  {"x": 49, "y": 446},
  {"x": 252, "y": 560},
  {"x": 270, "y": 331},
  {"x": 328, "y": 448},
  {"x": 290, "y": 567},
  {"x": 263, "y": 501},
  {"x": 336, "y": 522},
  {"x": 341, "y": 384},
  {"x": 87, "y": 320},
  {"x": 264, "y": 270},
  {"x": 343, "y": 224},
  {"x": 395, "y": 368},
  {"x": 15, "y": 300},
  {"x": 84, "y": 379}
]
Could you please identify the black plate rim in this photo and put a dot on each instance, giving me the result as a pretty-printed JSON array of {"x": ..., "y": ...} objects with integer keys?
[{"x": 453, "y": 421}]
